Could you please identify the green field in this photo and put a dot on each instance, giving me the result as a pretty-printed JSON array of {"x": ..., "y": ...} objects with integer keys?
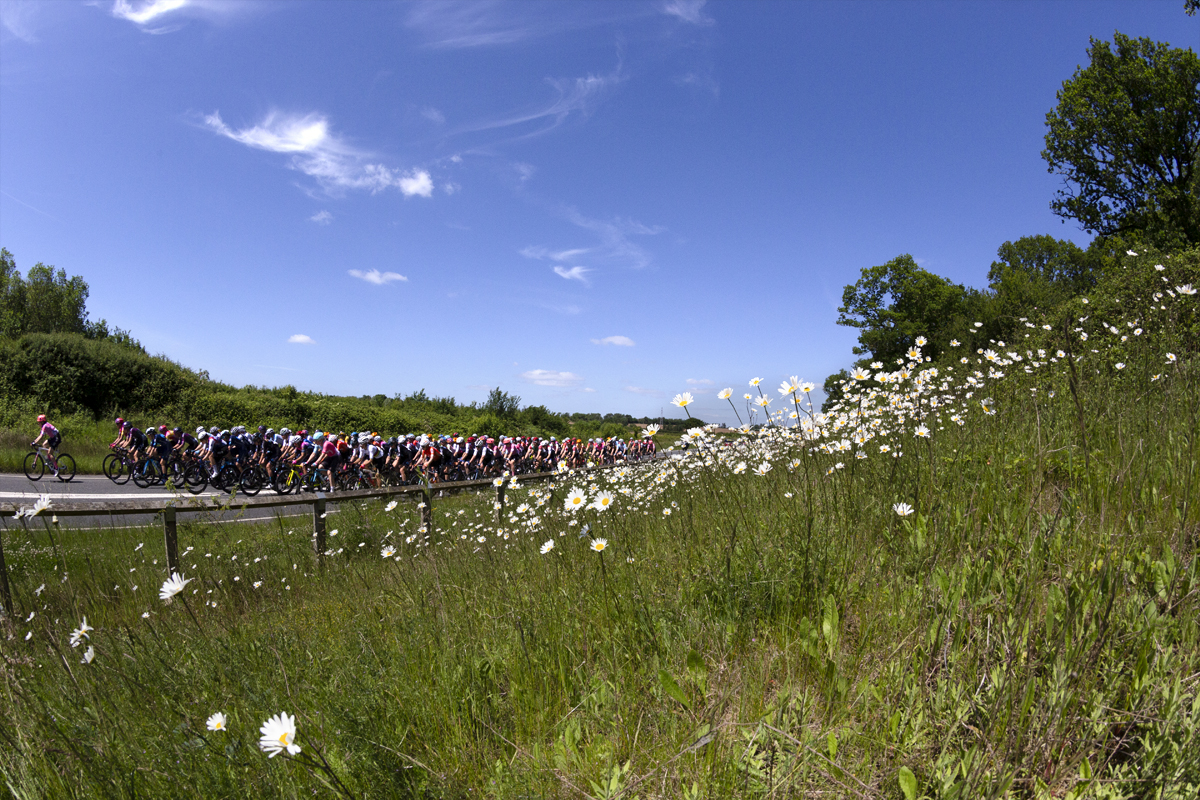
[{"x": 1030, "y": 630}]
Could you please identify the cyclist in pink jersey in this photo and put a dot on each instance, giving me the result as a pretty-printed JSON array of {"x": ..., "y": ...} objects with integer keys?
[{"x": 53, "y": 437}]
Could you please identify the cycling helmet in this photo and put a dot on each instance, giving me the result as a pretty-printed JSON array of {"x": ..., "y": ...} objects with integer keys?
[
  {"x": 177, "y": 431},
  {"x": 41, "y": 417},
  {"x": 202, "y": 434},
  {"x": 318, "y": 437},
  {"x": 270, "y": 431},
  {"x": 285, "y": 432},
  {"x": 377, "y": 438},
  {"x": 333, "y": 437},
  {"x": 170, "y": 436},
  {"x": 200, "y": 430},
  {"x": 214, "y": 431},
  {"x": 225, "y": 433},
  {"x": 118, "y": 421},
  {"x": 459, "y": 440},
  {"x": 262, "y": 428}
]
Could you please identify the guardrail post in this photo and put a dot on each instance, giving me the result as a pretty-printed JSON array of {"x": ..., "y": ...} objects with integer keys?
[
  {"x": 170, "y": 539},
  {"x": 5, "y": 593},
  {"x": 319, "y": 526},
  {"x": 427, "y": 507},
  {"x": 499, "y": 506}
]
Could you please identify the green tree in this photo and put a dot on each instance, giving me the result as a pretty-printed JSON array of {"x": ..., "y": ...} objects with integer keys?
[
  {"x": 502, "y": 404},
  {"x": 894, "y": 303},
  {"x": 1125, "y": 137}
]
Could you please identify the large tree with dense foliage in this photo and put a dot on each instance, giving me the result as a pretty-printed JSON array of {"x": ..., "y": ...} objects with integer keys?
[
  {"x": 1125, "y": 137},
  {"x": 894, "y": 303}
]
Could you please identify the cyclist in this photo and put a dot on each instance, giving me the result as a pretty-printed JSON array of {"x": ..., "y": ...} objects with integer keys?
[{"x": 53, "y": 439}]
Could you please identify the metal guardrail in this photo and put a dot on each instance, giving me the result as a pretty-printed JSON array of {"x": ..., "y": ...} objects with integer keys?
[{"x": 170, "y": 507}]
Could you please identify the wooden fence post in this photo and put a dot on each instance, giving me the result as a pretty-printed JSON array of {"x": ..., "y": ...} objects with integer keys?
[
  {"x": 170, "y": 540},
  {"x": 500, "y": 499},
  {"x": 5, "y": 592},
  {"x": 319, "y": 526}
]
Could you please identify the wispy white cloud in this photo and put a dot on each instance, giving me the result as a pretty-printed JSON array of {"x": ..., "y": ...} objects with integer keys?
[
  {"x": 615, "y": 236},
  {"x": 588, "y": 389},
  {"x": 17, "y": 17},
  {"x": 549, "y": 377},
  {"x": 145, "y": 12},
  {"x": 376, "y": 277},
  {"x": 700, "y": 81},
  {"x": 457, "y": 24},
  {"x": 537, "y": 251},
  {"x": 322, "y": 155},
  {"x": 574, "y": 96},
  {"x": 689, "y": 11},
  {"x": 321, "y": 218},
  {"x": 620, "y": 341},
  {"x": 646, "y": 392},
  {"x": 573, "y": 274},
  {"x": 699, "y": 384},
  {"x": 433, "y": 115},
  {"x": 300, "y": 338}
]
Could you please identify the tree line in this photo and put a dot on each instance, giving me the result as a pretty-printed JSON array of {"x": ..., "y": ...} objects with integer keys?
[{"x": 1125, "y": 138}]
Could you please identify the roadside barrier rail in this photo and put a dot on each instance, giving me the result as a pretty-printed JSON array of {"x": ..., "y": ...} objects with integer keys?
[{"x": 170, "y": 506}]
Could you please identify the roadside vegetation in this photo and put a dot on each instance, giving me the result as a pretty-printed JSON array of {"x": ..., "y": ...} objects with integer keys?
[{"x": 971, "y": 580}]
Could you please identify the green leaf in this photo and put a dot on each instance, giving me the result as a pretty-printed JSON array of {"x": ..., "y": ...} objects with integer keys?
[
  {"x": 908, "y": 783},
  {"x": 672, "y": 688},
  {"x": 695, "y": 665}
]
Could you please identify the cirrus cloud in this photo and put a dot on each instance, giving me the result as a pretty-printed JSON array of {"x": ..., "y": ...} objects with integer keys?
[
  {"x": 549, "y": 377},
  {"x": 376, "y": 277},
  {"x": 620, "y": 341},
  {"x": 300, "y": 338},
  {"x": 323, "y": 155}
]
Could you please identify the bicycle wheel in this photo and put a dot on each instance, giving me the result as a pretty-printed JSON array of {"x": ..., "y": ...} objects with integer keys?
[
  {"x": 286, "y": 480},
  {"x": 227, "y": 478},
  {"x": 35, "y": 466},
  {"x": 195, "y": 478},
  {"x": 250, "y": 483},
  {"x": 66, "y": 467},
  {"x": 112, "y": 466},
  {"x": 142, "y": 477},
  {"x": 124, "y": 472}
]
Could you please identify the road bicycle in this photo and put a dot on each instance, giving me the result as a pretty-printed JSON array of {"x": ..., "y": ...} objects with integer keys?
[{"x": 40, "y": 460}]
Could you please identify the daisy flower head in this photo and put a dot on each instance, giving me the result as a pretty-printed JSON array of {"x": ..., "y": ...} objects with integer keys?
[
  {"x": 763, "y": 468},
  {"x": 903, "y": 509},
  {"x": 387, "y": 552},
  {"x": 651, "y": 430},
  {"x": 725, "y": 394},
  {"x": 755, "y": 381},
  {"x": 599, "y": 544},
  {"x": 922, "y": 341},
  {"x": 1170, "y": 358},
  {"x": 43, "y": 502},
  {"x": 989, "y": 406},
  {"x": 683, "y": 399},
  {"x": 279, "y": 734},
  {"x": 1185, "y": 289},
  {"x": 922, "y": 431},
  {"x": 807, "y": 387},
  {"x": 603, "y": 501},
  {"x": 172, "y": 586},
  {"x": 547, "y": 547},
  {"x": 89, "y": 655},
  {"x": 80, "y": 633},
  {"x": 216, "y": 722},
  {"x": 576, "y": 499},
  {"x": 391, "y": 506}
]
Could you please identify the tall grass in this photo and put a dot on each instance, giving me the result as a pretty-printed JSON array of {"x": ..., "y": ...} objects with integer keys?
[{"x": 1029, "y": 631}]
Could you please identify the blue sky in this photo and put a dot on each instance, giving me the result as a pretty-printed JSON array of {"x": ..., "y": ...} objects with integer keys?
[{"x": 591, "y": 205}]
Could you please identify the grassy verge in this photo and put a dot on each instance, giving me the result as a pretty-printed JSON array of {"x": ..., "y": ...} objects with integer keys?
[{"x": 759, "y": 621}]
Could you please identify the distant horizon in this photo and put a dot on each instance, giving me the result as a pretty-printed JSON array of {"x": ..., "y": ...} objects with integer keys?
[{"x": 593, "y": 206}]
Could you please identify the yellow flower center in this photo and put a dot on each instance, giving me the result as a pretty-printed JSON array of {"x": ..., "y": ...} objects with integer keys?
[{"x": 283, "y": 739}]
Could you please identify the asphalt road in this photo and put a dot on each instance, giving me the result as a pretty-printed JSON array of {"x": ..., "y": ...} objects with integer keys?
[{"x": 19, "y": 489}]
